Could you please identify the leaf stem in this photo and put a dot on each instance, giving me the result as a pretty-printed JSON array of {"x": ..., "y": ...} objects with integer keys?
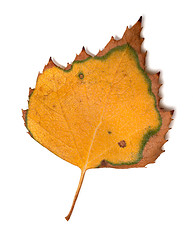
[{"x": 76, "y": 194}]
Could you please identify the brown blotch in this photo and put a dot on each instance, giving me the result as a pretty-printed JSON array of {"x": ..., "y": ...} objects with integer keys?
[
  {"x": 103, "y": 163},
  {"x": 109, "y": 132},
  {"x": 81, "y": 76},
  {"x": 122, "y": 144}
]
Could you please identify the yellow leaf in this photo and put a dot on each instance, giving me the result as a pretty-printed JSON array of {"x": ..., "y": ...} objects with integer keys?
[{"x": 100, "y": 111}]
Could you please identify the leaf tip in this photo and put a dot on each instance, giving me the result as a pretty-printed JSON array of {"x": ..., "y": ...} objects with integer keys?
[
  {"x": 172, "y": 112},
  {"x": 140, "y": 19},
  {"x": 68, "y": 66},
  {"x": 82, "y": 56},
  {"x": 50, "y": 64},
  {"x": 30, "y": 92},
  {"x": 158, "y": 74}
]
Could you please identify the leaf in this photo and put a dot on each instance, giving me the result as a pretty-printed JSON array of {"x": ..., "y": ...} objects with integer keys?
[{"x": 100, "y": 111}]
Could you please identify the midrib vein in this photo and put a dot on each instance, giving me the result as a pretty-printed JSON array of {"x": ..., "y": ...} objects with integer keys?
[{"x": 101, "y": 118}]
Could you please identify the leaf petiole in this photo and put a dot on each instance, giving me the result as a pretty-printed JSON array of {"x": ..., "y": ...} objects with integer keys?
[{"x": 76, "y": 194}]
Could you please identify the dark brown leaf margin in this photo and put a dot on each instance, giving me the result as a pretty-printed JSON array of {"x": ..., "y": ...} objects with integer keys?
[{"x": 153, "y": 147}]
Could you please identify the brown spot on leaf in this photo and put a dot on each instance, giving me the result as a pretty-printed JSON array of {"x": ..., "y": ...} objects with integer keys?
[
  {"x": 81, "y": 75},
  {"x": 122, "y": 144},
  {"x": 103, "y": 163}
]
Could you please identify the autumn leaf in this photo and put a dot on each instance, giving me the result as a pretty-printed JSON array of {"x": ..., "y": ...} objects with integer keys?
[{"x": 100, "y": 111}]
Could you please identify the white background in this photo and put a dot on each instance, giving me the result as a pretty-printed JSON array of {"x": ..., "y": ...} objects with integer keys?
[{"x": 36, "y": 187}]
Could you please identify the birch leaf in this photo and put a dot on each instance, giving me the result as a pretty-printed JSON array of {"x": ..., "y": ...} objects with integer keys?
[{"x": 100, "y": 111}]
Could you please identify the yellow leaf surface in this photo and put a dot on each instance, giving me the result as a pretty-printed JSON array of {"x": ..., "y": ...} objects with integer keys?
[{"x": 99, "y": 111}]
